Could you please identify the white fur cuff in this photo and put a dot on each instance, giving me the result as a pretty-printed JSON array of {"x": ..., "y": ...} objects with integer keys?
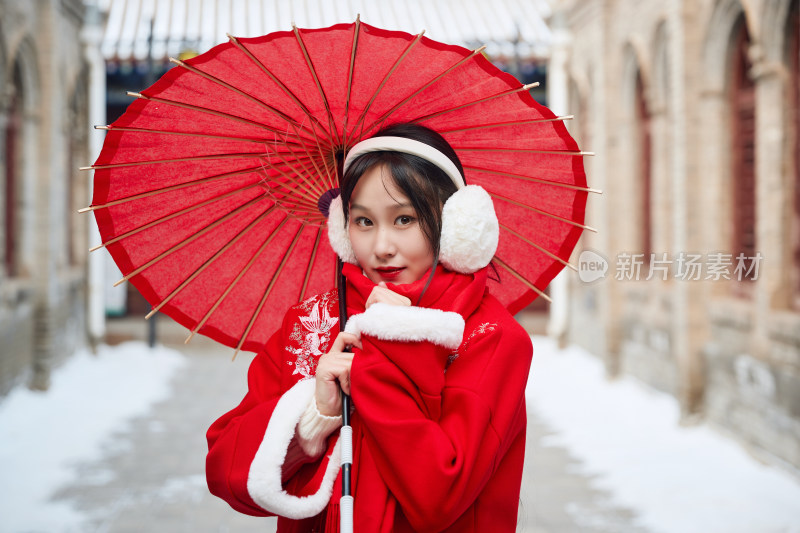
[
  {"x": 409, "y": 324},
  {"x": 264, "y": 481}
]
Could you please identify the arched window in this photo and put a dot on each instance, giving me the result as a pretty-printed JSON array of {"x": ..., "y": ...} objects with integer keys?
[
  {"x": 644, "y": 139},
  {"x": 13, "y": 137},
  {"x": 793, "y": 62},
  {"x": 743, "y": 135}
]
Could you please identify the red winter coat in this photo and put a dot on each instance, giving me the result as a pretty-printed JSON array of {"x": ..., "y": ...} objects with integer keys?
[{"x": 439, "y": 420}]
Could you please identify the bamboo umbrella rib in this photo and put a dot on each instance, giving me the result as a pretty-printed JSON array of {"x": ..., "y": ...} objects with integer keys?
[
  {"x": 298, "y": 191},
  {"x": 310, "y": 265},
  {"x": 541, "y": 249},
  {"x": 278, "y": 188},
  {"x": 173, "y": 215},
  {"x": 545, "y": 213},
  {"x": 288, "y": 197},
  {"x": 476, "y": 102},
  {"x": 535, "y": 180},
  {"x": 310, "y": 64},
  {"x": 396, "y": 64},
  {"x": 241, "y": 155},
  {"x": 278, "y": 113},
  {"x": 308, "y": 171},
  {"x": 239, "y": 276},
  {"x": 512, "y": 123},
  {"x": 426, "y": 85},
  {"x": 267, "y": 292},
  {"x": 216, "y": 113},
  {"x": 190, "y": 239},
  {"x": 168, "y": 189},
  {"x": 189, "y": 134},
  {"x": 353, "y": 49},
  {"x": 524, "y": 281},
  {"x": 302, "y": 174},
  {"x": 210, "y": 260},
  {"x": 324, "y": 160},
  {"x": 522, "y": 150},
  {"x": 274, "y": 78}
]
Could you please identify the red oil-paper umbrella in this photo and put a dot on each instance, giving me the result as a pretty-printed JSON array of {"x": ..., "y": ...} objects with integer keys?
[{"x": 206, "y": 191}]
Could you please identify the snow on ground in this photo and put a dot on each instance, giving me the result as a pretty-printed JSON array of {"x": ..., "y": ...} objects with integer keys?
[
  {"x": 678, "y": 479},
  {"x": 44, "y": 434}
]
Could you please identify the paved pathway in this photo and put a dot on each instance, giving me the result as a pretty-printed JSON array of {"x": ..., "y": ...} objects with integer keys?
[{"x": 150, "y": 477}]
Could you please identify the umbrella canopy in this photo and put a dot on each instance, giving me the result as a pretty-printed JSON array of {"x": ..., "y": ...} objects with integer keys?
[{"x": 207, "y": 188}]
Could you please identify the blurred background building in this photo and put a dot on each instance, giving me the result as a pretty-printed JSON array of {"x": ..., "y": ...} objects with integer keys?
[
  {"x": 44, "y": 98},
  {"x": 693, "y": 110},
  {"x": 692, "y": 107}
]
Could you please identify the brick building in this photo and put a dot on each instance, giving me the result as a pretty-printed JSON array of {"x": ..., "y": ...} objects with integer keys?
[
  {"x": 43, "y": 241},
  {"x": 693, "y": 110}
]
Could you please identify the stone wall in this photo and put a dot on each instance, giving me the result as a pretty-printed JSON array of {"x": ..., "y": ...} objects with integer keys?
[
  {"x": 728, "y": 352},
  {"x": 42, "y": 290}
]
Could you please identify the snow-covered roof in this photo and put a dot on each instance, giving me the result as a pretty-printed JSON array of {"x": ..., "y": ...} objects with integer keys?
[{"x": 178, "y": 25}]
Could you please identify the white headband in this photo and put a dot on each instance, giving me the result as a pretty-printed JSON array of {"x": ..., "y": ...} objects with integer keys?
[{"x": 406, "y": 146}]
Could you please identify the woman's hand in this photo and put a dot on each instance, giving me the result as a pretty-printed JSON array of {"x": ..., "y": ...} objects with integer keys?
[
  {"x": 333, "y": 372},
  {"x": 385, "y": 295}
]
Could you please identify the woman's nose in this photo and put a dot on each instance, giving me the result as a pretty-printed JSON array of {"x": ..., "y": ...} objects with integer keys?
[{"x": 384, "y": 245}]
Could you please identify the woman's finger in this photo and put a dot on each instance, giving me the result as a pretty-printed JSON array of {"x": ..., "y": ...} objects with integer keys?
[{"x": 344, "y": 339}]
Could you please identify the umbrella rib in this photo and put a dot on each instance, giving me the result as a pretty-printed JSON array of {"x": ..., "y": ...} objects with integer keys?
[
  {"x": 188, "y": 134},
  {"x": 212, "y": 112},
  {"x": 512, "y": 123},
  {"x": 210, "y": 260},
  {"x": 239, "y": 276},
  {"x": 242, "y": 155},
  {"x": 396, "y": 64},
  {"x": 190, "y": 239},
  {"x": 534, "y": 180},
  {"x": 289, "y": 194},
  {"x": 524, "y": 281},
  {"x": 524, "y": 150},
  {"x": 311, "y": 184},
  {"x": 541, "y": 249},
  {"x": 268, "y": 291},
  {"x": 165, "y": 218},
  {"x": 324, "y": 161},
  {"x": 274, "y": 78},
  {"x": 545, "y": 213},
  {"x": 169, "y": 189},
  {"x": 475, "y": 102},
  {"x": 353, "y": 49},
  {"x": 281, "y": 115},
  {"x": 428, "y": 84},
  {"x": 310, "y": 64},
  {"x": 310, "y": 265}
]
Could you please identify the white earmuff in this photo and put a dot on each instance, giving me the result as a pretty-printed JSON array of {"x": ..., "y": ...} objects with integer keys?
[
  {"x": 337, "y": 232},
  {"x": 470, "y": 230}
]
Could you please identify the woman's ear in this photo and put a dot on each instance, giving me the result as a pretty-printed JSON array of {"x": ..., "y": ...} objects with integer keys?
[
  {"x": 338, "y": 233},
  {"x": 470, "y": 230}
]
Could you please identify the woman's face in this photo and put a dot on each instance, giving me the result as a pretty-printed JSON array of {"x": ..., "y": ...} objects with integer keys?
[{"x": 384, "y": 230}]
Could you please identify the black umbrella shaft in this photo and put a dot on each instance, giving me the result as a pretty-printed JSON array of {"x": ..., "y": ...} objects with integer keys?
[{"x": 346, "y": 402}]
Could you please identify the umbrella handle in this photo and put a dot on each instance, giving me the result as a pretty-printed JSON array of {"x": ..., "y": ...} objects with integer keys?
[{"x": 346, "y": 439}]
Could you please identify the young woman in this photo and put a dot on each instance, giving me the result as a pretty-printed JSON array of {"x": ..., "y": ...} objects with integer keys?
[{"x": 437, "y": 371}]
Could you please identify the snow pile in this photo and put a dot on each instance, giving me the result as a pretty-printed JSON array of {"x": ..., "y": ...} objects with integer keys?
[
  {"x": 677, "y": 479},
  {"x": 43, "y": 435}
]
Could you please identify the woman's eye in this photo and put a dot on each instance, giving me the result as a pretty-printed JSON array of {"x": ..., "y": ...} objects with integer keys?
[
  {"x": 363, "y": 221},
  {"x": 405, "y": 220}
]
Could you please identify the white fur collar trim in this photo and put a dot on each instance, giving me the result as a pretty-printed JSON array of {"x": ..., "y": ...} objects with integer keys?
[
  {"x": 409, "y": 324},
  {"x": 264, "y": 481}
]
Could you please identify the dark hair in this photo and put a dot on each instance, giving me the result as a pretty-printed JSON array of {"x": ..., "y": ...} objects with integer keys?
[{"x": 426, "y": 185}]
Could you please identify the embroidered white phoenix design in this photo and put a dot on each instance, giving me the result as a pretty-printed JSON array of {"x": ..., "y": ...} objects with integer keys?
[{"x": 318, "y": 335}]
